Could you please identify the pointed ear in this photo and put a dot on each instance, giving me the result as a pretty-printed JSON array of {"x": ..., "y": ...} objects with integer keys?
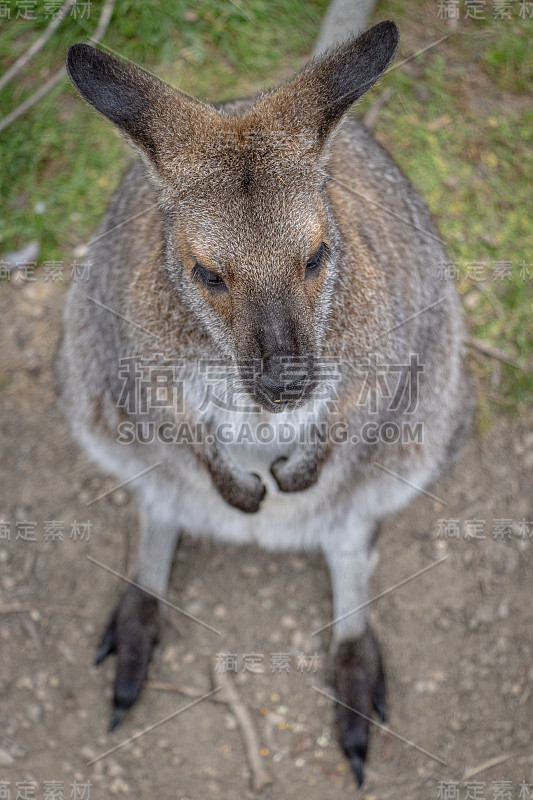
[
  {"x": 326, "y": 88},
  {"x": 152, "y": 114}
]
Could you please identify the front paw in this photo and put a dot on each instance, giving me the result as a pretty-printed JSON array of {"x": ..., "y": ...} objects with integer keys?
[
  {"x": 293, "y": 474},
  {"x": 245, "y": 492},
  {"x": 132, "y": 632},
  {"x": 359, "y": 684}
]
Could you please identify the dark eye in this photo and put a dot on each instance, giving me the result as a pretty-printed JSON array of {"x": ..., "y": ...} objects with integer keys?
[
  {"x": 316, "y": 259},
  {"x": 208, "y": 277}
]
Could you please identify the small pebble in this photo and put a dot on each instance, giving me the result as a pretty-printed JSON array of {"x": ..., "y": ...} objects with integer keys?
[
  {"x": 6, "y": 759},
  {"x": 288, "y": 622},
  {"x": 483, "y": 615},
  {"x": 114, "y": 769},
  {"x": 120, "y": 497},
  {"x": 189, "y": 658},
  {"x": 35, "y": 712},
  {"x": 298, "y": 564},
  {"x": 119, "y": 786},
  {"x": 425, "y": 687},
  {"x": 250, "y": 570},
  {"x": 80, "y": 250}
]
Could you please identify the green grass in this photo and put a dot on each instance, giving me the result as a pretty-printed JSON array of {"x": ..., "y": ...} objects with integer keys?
[
  {"x": 63, "y": 154},
  {"x": 460, "y": 124}
]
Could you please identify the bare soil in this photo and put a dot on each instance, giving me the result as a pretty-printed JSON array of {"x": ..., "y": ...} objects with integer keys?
[{"x": 456, "y": 640}]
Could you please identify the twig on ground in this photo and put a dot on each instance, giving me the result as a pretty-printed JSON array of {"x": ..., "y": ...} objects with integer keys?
[
  {"x": 38, "y": 44},
  {"x": 492, "y": 352},
  {"x": 492, "y": 300},
  {"x": 34, "y": 98},
  {"x": 31, "y": 630},
  {"x": 170, "y": 619},
  {"x": 230, "y": 697},
  {"x": 487, "y": 765},
  {"x": 187, "y": 691},
  {"x": 17, "y": 608},
  {"x": 103, "y": 22},
  {"x": 260, "y": 776}
]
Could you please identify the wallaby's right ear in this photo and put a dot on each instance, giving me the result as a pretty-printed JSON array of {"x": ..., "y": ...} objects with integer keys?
[
  {"x": 315, "y": 101},
  {"x": 156, "y": 117}
]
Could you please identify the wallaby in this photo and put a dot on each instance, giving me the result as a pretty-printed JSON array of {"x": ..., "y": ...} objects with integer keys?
[{"x": 273, "y": 240}]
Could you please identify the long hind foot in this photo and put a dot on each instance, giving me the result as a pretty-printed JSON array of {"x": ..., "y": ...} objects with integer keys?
[
  {"x": 359, "y": 683},
  {"x": 132, "y": 633}
]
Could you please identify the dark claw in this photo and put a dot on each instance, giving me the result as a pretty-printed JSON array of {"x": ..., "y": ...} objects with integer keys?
[
  {"x": 378, "y": 698},
  {"x": 102, "y": 653},
  {"x": 108, "y": 643},
  {"x": 360, "y": 685},
  {"x": 116, "y": 718},
  {"x": 379, "y": 705},
  {"x": 132, "y": 633},
  {"x": 357, "y": 766}
]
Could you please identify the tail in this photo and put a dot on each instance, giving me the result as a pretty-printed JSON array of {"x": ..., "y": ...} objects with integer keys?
[{"x": 343, "y": 18}]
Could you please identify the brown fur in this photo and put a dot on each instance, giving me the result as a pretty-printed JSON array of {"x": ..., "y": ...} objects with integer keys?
[{"x": 252, "y": 232}]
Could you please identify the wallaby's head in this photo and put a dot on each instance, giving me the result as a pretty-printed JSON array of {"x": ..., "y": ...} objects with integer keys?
[{"x": 252, "y": 248}]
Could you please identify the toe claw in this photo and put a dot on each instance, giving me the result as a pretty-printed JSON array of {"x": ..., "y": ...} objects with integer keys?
[
  {"x": 357, "y": 767},
  {"x": 103, "y": 651},
  {"x": 108, "y": 642},
  {"x": 132, "y": 633},
  {"x": 359, "y": 682},
  {"x": 116, "y": 718},
  {"x": 381, "y": 708}
]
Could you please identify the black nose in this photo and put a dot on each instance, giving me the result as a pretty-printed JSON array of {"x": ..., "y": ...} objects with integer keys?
[{"x": 279, "y": 386}]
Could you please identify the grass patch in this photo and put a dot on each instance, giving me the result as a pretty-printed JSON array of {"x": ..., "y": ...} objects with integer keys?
[
  {"x": 460, "y": 124},
  {"x": 63, "y": 157}
]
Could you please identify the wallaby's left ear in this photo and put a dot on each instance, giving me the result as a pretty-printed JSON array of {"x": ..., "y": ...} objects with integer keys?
[{"x": 326, "y": 88}]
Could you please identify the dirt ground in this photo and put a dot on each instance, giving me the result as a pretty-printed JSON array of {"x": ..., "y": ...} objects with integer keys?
[{"x": 456, "y": 640}]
